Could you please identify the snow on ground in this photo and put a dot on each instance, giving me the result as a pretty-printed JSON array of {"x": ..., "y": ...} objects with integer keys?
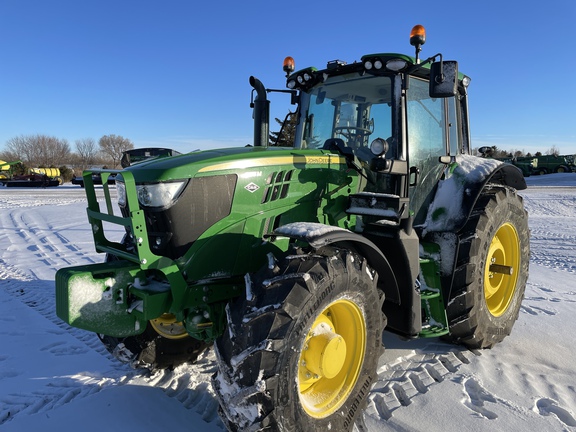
[{"x": 56, "y": 378}]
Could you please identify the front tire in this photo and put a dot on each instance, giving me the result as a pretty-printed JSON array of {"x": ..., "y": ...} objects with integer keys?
[
  {"x": 154, "y": 349},
  {"x": 302, "y": 348},
  {"x": 491, "y": 270},
  {"x": 164, "y": 344}
]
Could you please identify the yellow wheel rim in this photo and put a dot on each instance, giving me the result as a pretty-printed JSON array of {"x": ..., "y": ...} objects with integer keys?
[
  {"x": 331, "y": 358},
  {"x": 501, "y": 270},
  {"x": 167, "y": 326}
]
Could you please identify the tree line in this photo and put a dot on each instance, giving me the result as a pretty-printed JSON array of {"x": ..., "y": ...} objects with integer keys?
[
  {"x": 499, "y": 153},
  {"x": 43, "y": 151}
]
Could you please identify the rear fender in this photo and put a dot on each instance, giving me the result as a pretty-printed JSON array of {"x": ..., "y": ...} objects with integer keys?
[
  {"x": 318, "y": 235},
  {"x": 460, "y": 188}
]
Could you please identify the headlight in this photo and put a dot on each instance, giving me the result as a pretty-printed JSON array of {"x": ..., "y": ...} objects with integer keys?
[
  {"x": 121, "y": 193},
  {"x": 159, "y": 194}
]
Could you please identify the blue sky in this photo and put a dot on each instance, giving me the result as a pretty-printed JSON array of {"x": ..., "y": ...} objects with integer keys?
[{"x": 174, "y": 73}]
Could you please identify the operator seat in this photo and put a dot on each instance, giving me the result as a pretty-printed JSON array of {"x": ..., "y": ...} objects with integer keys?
[{"x": 336, "y": 144}]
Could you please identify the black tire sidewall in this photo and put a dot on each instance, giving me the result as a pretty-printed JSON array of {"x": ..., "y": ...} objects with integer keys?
[
  {"x": 515, "y": 216},
  {"x": 302, "y": 288},
  {"x": 288, "y": 391},
  {"x": 482, "y": 329}
]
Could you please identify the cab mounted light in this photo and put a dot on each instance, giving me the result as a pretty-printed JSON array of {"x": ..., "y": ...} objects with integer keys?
[
  {"x": 288, "y": 66},
  {"x": 396, "y": 65},
  {"x": 373, "y": 63},
  {"x": 377, "y": 64},
  {"x": 379, "y": 146},
  {"x": 304, "y": 78},
  {"x": 417, "y": 39}
]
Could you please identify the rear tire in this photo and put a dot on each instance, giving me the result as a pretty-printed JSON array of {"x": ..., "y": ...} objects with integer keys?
[
  {"x": 301, "y": 349},
  {"x": 485, "y": 300}
]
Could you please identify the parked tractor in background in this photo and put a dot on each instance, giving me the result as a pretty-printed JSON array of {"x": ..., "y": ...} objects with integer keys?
[
  {"x": 524, "y": 164},
  {"x": 135, "y": 156},
  {"x": 548, "y": 164},
  {"x": 292, "y": 261},
  {"x": 130, "y": 157}
]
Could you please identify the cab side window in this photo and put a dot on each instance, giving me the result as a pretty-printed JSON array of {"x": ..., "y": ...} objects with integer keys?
[
  {"x": 454, "y": 126},
  {"x": 426, "y": 124}
]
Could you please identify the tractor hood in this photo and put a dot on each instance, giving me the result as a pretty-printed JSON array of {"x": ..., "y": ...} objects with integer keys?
[{"x": 189, "y": 165}]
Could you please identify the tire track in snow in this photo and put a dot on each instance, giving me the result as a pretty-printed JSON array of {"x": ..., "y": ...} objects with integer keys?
[
  {"x": 189, "y": 384},
  {"x": 39, "y": 295},
  {"x": 46, "y": 243},
  {"x": 34, "y": 294},
  {"x": 407, "y": 377},
  {"x": 551, "y": 244}
]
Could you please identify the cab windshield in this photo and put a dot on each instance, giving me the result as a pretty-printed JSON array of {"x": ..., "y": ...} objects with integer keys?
[{"x": 354, "y": 109}]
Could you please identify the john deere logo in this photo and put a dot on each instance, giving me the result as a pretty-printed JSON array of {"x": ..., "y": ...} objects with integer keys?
[{"x": 251, "y": 187}]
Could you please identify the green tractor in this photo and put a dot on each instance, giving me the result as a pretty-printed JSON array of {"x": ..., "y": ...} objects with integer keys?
[
  {"x": 547, "y": 164},
  {"x": 291, "y": 261}
]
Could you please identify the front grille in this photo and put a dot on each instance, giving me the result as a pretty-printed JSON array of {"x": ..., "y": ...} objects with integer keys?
[{"x": 205, "y": 201}]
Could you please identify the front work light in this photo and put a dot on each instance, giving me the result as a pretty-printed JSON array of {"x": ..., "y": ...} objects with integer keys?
[
  {"x": 121, "y": 192},
  {"x": 379, "y": 146}
]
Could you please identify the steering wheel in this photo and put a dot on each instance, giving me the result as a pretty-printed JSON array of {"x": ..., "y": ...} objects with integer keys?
[{"x": 352, "y": 132}]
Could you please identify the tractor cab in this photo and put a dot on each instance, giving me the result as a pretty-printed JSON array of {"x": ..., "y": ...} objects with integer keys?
[{"x": 394, "y": 118}]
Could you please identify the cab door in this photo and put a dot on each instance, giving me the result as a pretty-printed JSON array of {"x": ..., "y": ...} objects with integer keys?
[{"x": 431, "y": 129}]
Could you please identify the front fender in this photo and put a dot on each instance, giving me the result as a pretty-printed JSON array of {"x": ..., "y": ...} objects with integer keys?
[{"x": 318, "y": 235}]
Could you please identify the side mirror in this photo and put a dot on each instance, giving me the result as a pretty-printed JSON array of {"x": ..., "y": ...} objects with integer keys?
[{"x": 443, "y": 79}]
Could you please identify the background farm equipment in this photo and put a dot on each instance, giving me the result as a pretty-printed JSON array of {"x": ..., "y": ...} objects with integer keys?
[{"x": 36, "y": 177}]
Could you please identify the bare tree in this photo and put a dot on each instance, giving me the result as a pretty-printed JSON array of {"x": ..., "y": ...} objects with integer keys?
[
  {"x": 39, "y": 150},
  {"x": 517, "y": 153},
  {"x": 113, "y": 146},
  {"x": 87, "y": 151},
  {"x": 8, "y": 156},
  {"x": 553, "y": 151},
  {"x": 20, "y": 148}
]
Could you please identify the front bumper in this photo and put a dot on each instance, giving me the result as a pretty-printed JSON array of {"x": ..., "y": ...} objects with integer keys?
[{"x": 107, "y": 298}]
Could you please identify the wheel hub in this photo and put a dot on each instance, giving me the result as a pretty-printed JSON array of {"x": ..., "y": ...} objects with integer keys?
[
  {"x": 167, "y": 326},
  {"x": 331, "y": 358},
  {"x": 326, "y": 352},
  {"x": 501, "y": 270}
]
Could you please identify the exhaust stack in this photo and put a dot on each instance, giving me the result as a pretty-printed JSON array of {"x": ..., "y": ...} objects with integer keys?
[{"x": 261, "y": 114}]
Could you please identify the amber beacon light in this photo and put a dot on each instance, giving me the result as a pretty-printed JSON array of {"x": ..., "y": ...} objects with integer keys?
[
  {"x": 289, "y": 66},
  {"x": 418, "y": 38}
]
